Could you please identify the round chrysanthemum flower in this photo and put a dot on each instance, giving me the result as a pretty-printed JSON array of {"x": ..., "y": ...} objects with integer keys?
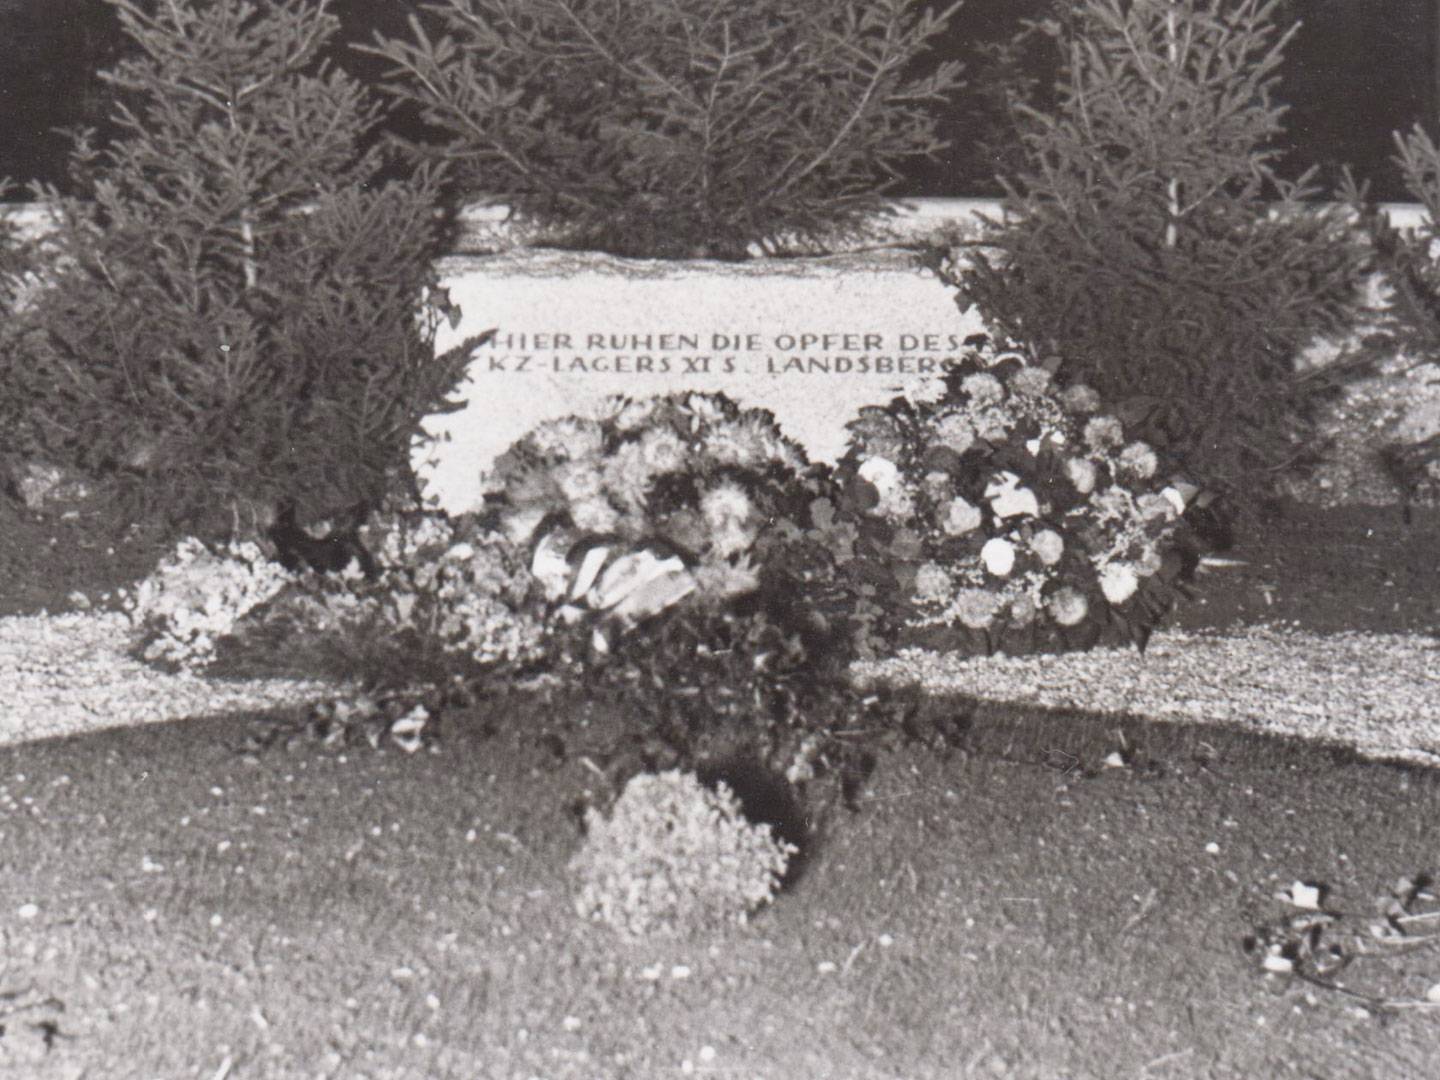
[
  {"x": 1023, "y": 609},
  {"x": 881, "y": 473},
  {"x": 1030, "y": 381},
  {"x": 579, "y": 480},
  {"x": 1079, "y": 399},
  {"x": 976, "y": 608},
  {"x": 730, "y": 514},
  {"x": 662, "y": 450},
  {"x": 1139, "y": 459},
  {"x": 1068, "y": 606},
  {"x": 960, "y": 517},
  {"x": 1103, "y": 433},
  {"x": 1048, "y": 546},
  {"x": 1082, "y": 474},
  {"x": 1118, "y": 581},
  {"x": 1148, "y": 562},
  {"x": 955, "y": 432},
  {"x": 568, "y": 439},
  {"x": 932, "y": 584},
  {"x": 998, "y": 555},
  {"x": 708, "y": 409},
  {"x": 983, "y": 389}
]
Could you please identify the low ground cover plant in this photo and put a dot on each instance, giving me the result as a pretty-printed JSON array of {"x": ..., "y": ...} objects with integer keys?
[
  {"x": 677, "y": 128},
  {"x": 673, "y": 856},
  {"x": 1148, "y": 240}
]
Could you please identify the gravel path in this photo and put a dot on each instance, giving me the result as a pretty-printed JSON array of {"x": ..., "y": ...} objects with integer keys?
[
  {"x": 61, "y": 674},
  {"x": 1379, "y": 693}
]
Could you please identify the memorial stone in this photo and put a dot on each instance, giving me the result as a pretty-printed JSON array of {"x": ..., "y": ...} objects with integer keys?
[{"x": 812, "y": 340}]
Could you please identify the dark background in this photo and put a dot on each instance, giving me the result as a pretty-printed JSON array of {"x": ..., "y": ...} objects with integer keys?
[{"x": 1356, "y": 71}]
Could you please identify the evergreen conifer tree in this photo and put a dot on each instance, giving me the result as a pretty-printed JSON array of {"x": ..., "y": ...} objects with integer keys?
[
  {"x": 236, "y": 315},
  {"x": 676, "y": 128},
  {"x": 1150, "y": 243}
]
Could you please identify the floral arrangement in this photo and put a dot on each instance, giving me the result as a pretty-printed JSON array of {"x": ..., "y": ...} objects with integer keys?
[
  {"x": 197, "y": 596},
  {"x": 674, "y": 856},
  {"x": 1012, "y": 514},
  {"x": 676, "y": 498},
  {"x": 450, "y": 597}
]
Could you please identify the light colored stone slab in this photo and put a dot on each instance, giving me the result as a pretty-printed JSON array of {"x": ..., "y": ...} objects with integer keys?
[{"x": 810, "y": 339}]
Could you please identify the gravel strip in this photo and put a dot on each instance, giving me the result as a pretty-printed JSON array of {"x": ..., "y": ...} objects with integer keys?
[
  {"x": 1379, "y": 693},
  {"x": 61, "y": 674}
]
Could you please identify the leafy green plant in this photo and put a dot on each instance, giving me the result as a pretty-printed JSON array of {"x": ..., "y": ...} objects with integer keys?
[
  {"x": 1150, "y": 242},
  {"x": 677, "y": 128},
  {"x": 673, "y": 856},
  {"x": 241, "y": 310}
]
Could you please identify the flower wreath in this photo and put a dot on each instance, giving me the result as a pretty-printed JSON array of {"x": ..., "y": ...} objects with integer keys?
[{"x": 1015, "y": 515}]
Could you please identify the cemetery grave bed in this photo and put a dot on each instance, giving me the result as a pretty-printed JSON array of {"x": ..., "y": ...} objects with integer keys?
[{"x": 1012, "y": 909}]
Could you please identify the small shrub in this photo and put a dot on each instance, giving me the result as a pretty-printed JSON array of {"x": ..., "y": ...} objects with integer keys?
[
  {"x": 1006, "y": 513},
  {"x": 674, "y": 857},
  {"x": 238, "y": 311},
  {"x": 678, "y": 128},
  {"x": 197, "y": 596},
  {"x": 451, "y": 599},
  {"x": 1141, "y": 242}
]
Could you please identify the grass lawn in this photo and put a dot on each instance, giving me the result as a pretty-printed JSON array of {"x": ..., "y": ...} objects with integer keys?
[{"x": 171, "y": 907}]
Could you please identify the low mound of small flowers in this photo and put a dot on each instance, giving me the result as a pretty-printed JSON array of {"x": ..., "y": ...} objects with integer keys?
[
  {"x": 1011, "y": 513},
  {"x": 450, "y": 597},
  {"x": 197, "y": 596},
  {"x": 675, "y": 857}
]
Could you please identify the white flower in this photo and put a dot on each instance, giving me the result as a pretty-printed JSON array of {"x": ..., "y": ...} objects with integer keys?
[
  {"x": 1068, "y": 606},
  {"x": 1081, "y": 473},
  {"x": 1139, "y": 459},
  {"x": 882, "y": 474},
  {"x": 1118, "y": 581},
  {"x": 730, "y": 515},
  {"x": 975, "y": 608},
  {"x": 961, "y": 516},
  {"x": 578, "y": 480},
  {"x": 1048, "y": 546},
  {"x": 983, "y": 389},
  {"x": 662, "y": 450},
  {"x": 633, "y": 415},
  {"x": 1023, "y": 609},
  {"x": 932, "y": 583},
  {"x": 1103, "y": 433},
  {"x": 1008, "y": 499},
  {"x": 569, "y": 439},
  {"x": 550, "y": 567},
  {"x": 519, "y": 525},
  {"x": 704, "y": 409},
  {"x": 1149, "y": 562},
  {"x": 998, "y": 555},
  {"x": 955, "y": 432},
  {"x": 1030, "y": 381},
  {"x": 1079, "y": 399},
  {"x": 927, "y": 391}
]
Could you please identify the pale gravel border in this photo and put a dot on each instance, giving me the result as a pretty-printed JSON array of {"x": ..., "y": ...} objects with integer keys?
[
  {"x": 1377, "y": 693},
  {"x": 69, "y": 673}
]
